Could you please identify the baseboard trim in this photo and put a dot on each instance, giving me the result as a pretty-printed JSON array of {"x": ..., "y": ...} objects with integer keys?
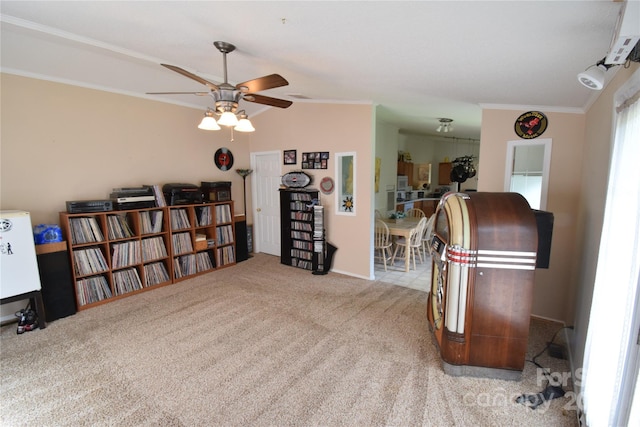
[{"x": 549, "y": 319}]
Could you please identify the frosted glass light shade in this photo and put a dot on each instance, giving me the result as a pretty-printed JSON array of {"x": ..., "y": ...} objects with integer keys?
[
  {"x": 244, "y": 125},
  {"x": 228, "y": 119},
  {"x": 208, "y": 123}
]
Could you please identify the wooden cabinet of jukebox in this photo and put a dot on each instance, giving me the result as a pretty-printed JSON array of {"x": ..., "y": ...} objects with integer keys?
[{"x": 484, "y": 251}]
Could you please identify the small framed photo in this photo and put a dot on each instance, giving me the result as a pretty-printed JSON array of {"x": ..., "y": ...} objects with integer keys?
[{"x": 290, "y": 157}]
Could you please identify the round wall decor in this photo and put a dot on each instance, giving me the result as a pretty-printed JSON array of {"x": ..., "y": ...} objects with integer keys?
[
  {"x": 531, "y": 124},
  {"x": 327, "y": 185},
  {"x": 223, "y": 159}
]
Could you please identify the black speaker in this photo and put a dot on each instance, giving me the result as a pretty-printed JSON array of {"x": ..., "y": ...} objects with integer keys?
[
  {"x": 55, "y": 277},
  {"x": 544, "y": 221},
  {"x": 242, "y": 249}
]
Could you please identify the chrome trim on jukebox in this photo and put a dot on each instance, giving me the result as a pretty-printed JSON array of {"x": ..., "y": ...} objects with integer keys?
[
  {"x": 458, "y": 255},
  {"x": 516, "y": 260}
]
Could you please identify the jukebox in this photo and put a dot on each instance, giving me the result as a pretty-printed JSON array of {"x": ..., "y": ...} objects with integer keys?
[{"x": 483, "y": 251}]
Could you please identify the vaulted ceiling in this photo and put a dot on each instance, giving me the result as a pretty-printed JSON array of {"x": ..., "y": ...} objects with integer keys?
[{"x": 418, "y": 60}]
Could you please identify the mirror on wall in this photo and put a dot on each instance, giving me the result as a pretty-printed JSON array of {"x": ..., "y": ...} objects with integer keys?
[
  {"x": 346, "y": 183},
  {"x": 527, "y": 170}
]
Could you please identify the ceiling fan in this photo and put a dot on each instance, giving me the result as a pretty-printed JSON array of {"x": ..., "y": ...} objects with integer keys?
[{"x": 227, "y": 96}]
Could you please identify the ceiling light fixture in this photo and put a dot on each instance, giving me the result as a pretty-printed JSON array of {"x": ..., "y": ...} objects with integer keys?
[
  {"x": 244, "y": 124},
  {"x": 445, "y": 125},
  {"x": 228, "y": 117},
  {"x": 208, "y": 122},
  {"x": 593, "y": 76}
]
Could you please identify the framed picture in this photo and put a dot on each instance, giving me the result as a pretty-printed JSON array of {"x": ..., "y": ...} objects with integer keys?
[
  {"x": 346, "y": 183},
  {"x": 290, "y": 157},
  {"x": 315, "y": 160}
]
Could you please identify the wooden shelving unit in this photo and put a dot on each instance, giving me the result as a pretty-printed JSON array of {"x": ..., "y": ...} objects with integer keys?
[
  {"x": 120, "y": 253},
  {"x": 202, "y": 238}
]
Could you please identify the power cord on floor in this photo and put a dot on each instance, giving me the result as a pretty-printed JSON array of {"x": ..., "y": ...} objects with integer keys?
[{"x": 551, "y": 391}]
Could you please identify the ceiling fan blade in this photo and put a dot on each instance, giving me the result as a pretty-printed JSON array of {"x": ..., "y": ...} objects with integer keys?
[
  {"x": 178, "y": 93},
  {"x": 192, "y": 76},
  {"x": 262, "y": 83},
  {"x": 267, "y": 100}
]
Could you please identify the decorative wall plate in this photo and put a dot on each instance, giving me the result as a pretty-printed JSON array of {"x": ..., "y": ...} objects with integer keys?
[
  {"x": 327, "y": 185},
  {"x": 223, "y": 159},
  {"x": 531, "y": 125},
  {"x": 296, "y": 180}
]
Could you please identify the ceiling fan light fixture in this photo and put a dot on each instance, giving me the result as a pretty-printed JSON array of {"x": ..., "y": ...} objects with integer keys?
[
  {"x": 244, "y": 124},
  {"x": 228, "y": 119},
  {"x": 208, "y": 122},
  {"x": 227, "y": 96}
]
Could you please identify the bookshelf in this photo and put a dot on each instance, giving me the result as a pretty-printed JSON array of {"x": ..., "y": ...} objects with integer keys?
[
  {"x": 202, "y": 238},
  {"x": 120, "y": 253},
  {"x": 117, "y": 253},
  {"x": 297, "y": 217}
]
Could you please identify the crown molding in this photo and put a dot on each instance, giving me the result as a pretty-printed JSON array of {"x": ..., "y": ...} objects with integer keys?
[{"x": 545, "y": 108}]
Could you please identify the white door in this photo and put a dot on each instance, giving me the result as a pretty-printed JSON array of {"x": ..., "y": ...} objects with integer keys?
[{"x": 265, "y": 199}]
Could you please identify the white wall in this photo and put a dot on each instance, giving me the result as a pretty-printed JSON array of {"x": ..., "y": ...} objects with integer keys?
[{"x": 386, "y": 148}]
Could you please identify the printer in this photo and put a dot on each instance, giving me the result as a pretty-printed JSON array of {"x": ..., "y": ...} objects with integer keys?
[{"x": 181, "y": 194}]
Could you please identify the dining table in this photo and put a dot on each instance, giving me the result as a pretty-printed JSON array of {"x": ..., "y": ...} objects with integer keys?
[{"x": 403, "y": 227}]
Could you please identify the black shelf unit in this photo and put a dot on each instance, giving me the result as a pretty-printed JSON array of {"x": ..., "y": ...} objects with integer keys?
[{"x": 298, "y": 222}]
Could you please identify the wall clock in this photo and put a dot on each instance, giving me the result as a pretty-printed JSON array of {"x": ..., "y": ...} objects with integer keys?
[
  {"x": 531, "y": 125},
  {"x": 223, "y": 159}
]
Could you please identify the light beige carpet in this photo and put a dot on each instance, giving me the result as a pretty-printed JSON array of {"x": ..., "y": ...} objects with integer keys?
[{"x": 257, "y": 344}]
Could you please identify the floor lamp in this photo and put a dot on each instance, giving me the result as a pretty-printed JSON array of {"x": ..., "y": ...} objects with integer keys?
[
  {"x": 244, "y": 242},
  {"x": 244, "y": 173}
]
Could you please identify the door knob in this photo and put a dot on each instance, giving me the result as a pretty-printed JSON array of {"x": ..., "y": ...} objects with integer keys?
[{"x": 258, "y": 210}]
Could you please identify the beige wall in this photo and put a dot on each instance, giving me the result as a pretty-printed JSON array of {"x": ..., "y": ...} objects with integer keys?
[
  {"x": 342, "y": 128},
  {"x": 62, "y": 142},
  {"x": 555, "y": 287}
]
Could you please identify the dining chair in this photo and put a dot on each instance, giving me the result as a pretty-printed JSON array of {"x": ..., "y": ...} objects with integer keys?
[
  {"x": 415, "y": 213},
  {"x": 382, "y": 243},
  {"x": 426, "y": 236},
  {"x": 412, "y": 246}
]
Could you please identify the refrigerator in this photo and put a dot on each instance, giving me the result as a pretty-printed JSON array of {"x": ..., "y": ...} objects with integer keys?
[{"x": 18, "y": 263}]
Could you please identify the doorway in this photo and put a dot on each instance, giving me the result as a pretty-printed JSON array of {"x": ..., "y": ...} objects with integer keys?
[{"x": 265, "y": 201}]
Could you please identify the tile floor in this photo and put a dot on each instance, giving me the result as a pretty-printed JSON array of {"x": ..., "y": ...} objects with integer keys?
[{"x": 419, "y": 279}]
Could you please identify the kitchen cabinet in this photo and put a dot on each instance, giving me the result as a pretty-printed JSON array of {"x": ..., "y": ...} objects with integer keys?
[
  {"x": 406, "y": 168},
  {"x": 428, "y": 206},
  {"x": 444, "y": 173}
]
